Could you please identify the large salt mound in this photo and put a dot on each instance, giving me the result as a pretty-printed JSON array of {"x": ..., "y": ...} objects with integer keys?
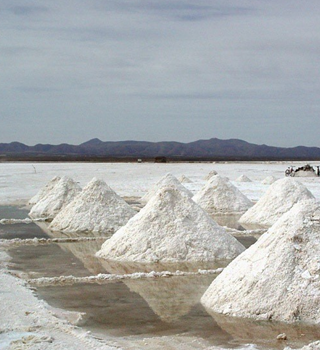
[
  {"x": 57, "y": 198},
  {"x": 44, "y": 190},
  {"x": 269, "y": 180},
  {"x": 278, "y": 199},
  {"x": 96, "y": 209},
  {"x": 243, "y": 178},
  {"x": 167, "y": 180},
  {"x": 170, "y": 228},
  {"x": 277, "y": 277},
  {"x": 220, "y": 196}
]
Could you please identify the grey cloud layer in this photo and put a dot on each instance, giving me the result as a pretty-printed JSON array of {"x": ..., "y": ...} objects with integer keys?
[{"x": 159, "y": 70}]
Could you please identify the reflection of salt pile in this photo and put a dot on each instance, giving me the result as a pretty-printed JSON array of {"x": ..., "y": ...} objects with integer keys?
[
  {"x": 277, "y": 277},
  {"x": 184, "y": 179},
  {"x": 44, "y": 190},
  {"x": 264, "y": 332},
  {"x": 278, "y": 199},
  {"x": 170, "y": 228},
  {"x": 243, "y": 178},
  {"x": 84, "y": 250},
  {"x": 171, "y": 298},
  {"x": 61, "y": 194},
  {"x": 269, "y": 180},
  {"x": 96, "y": 209},
  {"x": 209, "y": 176},
  {"x": 167, "y": 180},
  {"x": 220, "y": 196}
]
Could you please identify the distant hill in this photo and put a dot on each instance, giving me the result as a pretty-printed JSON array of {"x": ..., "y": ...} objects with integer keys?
[{"x": 213, "y": 149}]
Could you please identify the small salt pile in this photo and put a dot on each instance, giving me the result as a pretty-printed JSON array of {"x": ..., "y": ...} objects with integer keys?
[
  {"x": 278, "y": 277},
  {"x": 219, "y": 195},
  {"x": 268, "y": 180},
  {"x": 170, "y": 228},
  {"x": 96, "y": 209},
  {"x": 167, "y": 180},
  {"x": 243, "y": 178},
  {"x": 61, "y": 194},
  {"x": 44, "y": 190},
  {"x": 184, "y": 179},
  {"x": 278, "y": 199},
  {"x": 209, "y": 176}
]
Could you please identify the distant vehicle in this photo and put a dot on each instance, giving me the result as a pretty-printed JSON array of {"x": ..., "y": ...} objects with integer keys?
[{"x": 303, "y": 171}]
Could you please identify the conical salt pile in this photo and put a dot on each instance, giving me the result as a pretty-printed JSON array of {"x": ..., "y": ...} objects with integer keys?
[
  {"x": 269, "y": 180},
  {"x": 209, "y": 176},
  {"x": 167, "y": 180},
  {"x": 243, "y": 178},
  {"x": 220, "y": 196},
  {"x": 96, "y": 209},
  {"x": 170, "y": 228},
  {"x": 44, "y": 190},
  {"x": 61, "y": 194},
  {"x": 184, "y": 179},
  {"x": 278, "y": 199},
  {"x": 277, "y": 277}
]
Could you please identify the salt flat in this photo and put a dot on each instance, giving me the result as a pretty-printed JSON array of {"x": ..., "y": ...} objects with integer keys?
[{"x": 20, "y": 181}]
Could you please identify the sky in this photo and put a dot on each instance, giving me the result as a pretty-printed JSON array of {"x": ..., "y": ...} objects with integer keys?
[{"x": 160, "y": 70}]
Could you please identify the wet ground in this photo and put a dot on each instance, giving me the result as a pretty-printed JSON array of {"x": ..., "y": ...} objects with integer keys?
[{"x": 131, "y": 310}]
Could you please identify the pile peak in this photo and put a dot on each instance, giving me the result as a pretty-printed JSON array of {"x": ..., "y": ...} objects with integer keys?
[
  {"x": 212, "y": 173},
  {"x": 44, "y": 190},
  {"x": 96, "y": 209},
  {"x": 170, "y": 228},
  {"x": 269, "y": 180},
  {"x": 243, "y": 178},
  {"x": 278, "y": 199},
  {"x": 277, "y": 277},
  {"x": 56, "y": 198},
  {"x": 219, "y": 195},
  {"x": 167, "y": 180},
  {"x": 184, "y": 179}
]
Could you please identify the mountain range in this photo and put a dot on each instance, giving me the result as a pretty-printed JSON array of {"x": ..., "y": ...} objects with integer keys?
[{"x": 212, "y": 149}]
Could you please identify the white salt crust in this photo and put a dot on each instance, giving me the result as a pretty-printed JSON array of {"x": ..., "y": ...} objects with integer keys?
[
  {"x": 219, "y": 195},
  {"x": 44, "y": 190},
  {"x": 170, "y": 228},
  {"x": 278, "y": 199},
  {"x": 278, "y": 277},
  {"x": 269, "y": 180},
  {"x": 243, "y": 178},
  {"x": 311, "y": 346},
  {"x": 167, "y": 180},
  {"x": 96, "y": 209},
  {"x": 61, "y": 194}
]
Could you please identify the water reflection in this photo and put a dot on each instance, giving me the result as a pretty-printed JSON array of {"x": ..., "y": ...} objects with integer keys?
[
  {"x": 170, "y": 298},
  {"x": 84, "y": 251},
  {"x": 266, "y": 332}
]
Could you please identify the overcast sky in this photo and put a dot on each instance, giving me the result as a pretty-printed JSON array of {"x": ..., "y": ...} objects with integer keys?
[{"x": 160, "y": 70}]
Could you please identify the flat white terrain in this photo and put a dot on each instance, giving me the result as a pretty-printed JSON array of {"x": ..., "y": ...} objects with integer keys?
[{"x": 23, "y": 315}]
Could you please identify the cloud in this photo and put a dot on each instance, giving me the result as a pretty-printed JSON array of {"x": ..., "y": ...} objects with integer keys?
[{"x": 111, "y": 66}]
